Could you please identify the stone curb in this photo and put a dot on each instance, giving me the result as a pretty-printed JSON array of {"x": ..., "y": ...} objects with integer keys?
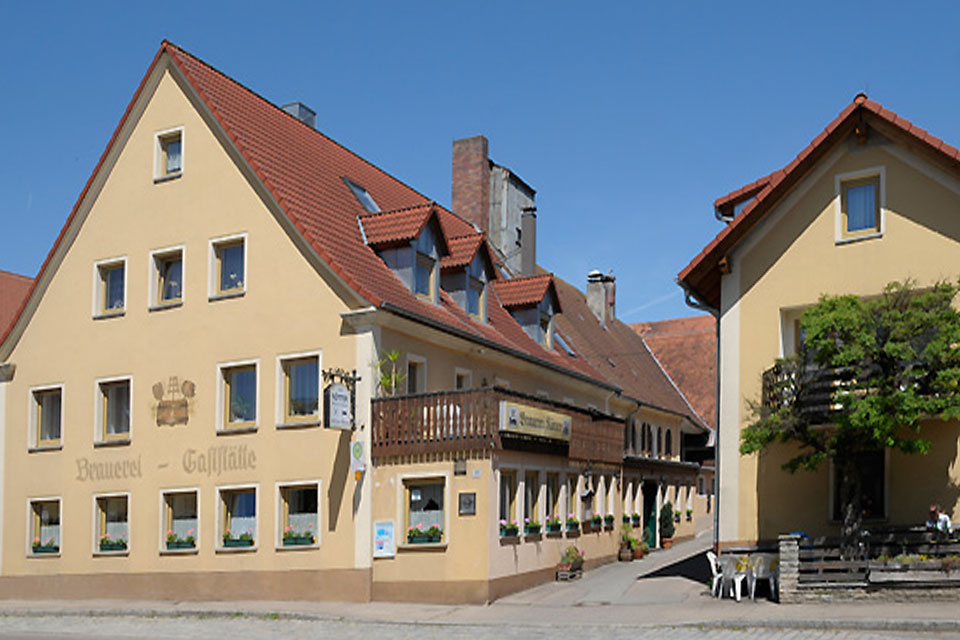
[{"x": 814, "y": 624}]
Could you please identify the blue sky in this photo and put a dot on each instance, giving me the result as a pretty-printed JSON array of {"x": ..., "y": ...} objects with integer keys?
[{"x": 629, "y": 119}]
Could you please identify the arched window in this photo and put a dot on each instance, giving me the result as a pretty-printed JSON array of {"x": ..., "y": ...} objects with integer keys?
[
  {"x": 669, "y": 448},
  {"x": 660, "y": 441}
]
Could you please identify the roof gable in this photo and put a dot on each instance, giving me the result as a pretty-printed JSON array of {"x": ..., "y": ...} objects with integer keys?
[
  {"x": 528, "y": 291},
  {"x": 401, "y": 226},
  {"x": 702, "y": 275}
]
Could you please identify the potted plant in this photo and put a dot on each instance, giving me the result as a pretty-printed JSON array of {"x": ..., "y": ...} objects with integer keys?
[
  {"x": 176, "y": 542},
  {"x": 640, "y": 549},
  {"x": 635, "y": 519},
  {"x": 676, "y": 516},
  {"x": 509, "y": 529},
  {"x": 530, "y": 527},
  {"x": 689, "y": 515},
  {"x": 667, "y": 527},
  {"x": 571, "y": 559},
  {"x": 50, "y": 546},
  {"x": 572, "y": 522},
  {"x": 626, "y": 545},
  {"x": 112, "y": 544},
  {"x": 419, "y": 535},
  {"x": 553, "y": 524},
  {"x": 293, "y": 538},
  {"x": 626, "y": 518},
  {"x": 596, "y": 521},
  {"x": 243, "y": 540},
  {"x": 608, "y": 520}
]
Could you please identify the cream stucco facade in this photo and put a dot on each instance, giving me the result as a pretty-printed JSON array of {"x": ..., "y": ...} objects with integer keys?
[{"x": 793, "y": 256}]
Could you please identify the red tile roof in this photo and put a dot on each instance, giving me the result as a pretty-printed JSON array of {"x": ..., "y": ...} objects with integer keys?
[
  {"x": 303, "y": 172},
  {"x": 702, "y": 274},
  {"x": 618, "y": 353},
  {"x": 725, "y": 204},
  {"x": 687, "y": 350},
  {"x": 13, "y": 293},
  {"x": 519, "y": 292},
  {"x": 399, "y": 226},
  {"x": 462, "y": 251}
]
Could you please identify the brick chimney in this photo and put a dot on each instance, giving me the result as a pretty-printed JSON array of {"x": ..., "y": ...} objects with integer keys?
[
  {"x": 602, "y": 296},
  {"x": 471, "y": 181}
]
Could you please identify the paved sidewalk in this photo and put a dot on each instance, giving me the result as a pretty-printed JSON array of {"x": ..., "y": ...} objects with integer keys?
[{"x": 667, "y": 588}]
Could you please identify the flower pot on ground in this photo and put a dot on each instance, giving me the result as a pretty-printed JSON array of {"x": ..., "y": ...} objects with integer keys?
[
  {"x": 571, "y": 559},
  {"x": 667, "y": 528},
  {"x": 640, "y": 550}
]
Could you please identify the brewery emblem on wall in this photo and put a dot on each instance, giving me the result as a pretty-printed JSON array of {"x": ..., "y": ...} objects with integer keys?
[{"x": 173, "y": 401}]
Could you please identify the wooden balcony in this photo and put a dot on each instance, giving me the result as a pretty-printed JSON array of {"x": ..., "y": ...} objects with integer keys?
[
  {"x": 811, "y": 389},
  {"x": 470, "y": 420}
]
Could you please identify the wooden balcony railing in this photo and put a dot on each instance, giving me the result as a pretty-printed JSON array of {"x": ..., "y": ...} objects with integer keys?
[
  {"x": 460, "y": 421},
  {"x": 811, "y": 389}
]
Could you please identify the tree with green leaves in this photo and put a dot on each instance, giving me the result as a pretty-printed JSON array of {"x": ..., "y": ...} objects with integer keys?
[{"x": 867, "y": 373}]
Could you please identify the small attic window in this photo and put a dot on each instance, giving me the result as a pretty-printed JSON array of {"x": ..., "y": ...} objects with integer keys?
[{"x": 363, "y": 196}]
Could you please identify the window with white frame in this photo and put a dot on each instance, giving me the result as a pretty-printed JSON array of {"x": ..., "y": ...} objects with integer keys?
[
  {"x": 166, "y": 277},
  {"x": 114, "y": 399},
  {"x": 110, "y": 289},
  {"x": 238, "y": 517},
  {"x": 45, "y": 526},
  {"x": 508, "y": 496},
  {"x": 299, "y": 514},
  {"x": 860, "y": 200},
  {"x": 113, "y": 524},
  {"x": 424, "y": 504},
  {"x": 531, "y": 497},
  {"x": 180, "y": 518},
  {"x": 299, "y": 388},
  {"x": 238, "y": 395},
  {"x": 46, "y": 416},
  {"x": 169, "y": 154},
  {"x": 228, "y": 266}
]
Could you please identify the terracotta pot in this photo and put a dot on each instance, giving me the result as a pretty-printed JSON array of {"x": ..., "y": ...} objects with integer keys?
[
  {"x": 638, "y": 553},
  {"x": 666, "y": 543}
]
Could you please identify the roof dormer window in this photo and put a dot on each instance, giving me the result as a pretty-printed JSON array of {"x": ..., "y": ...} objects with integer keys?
[
  {"x": 533, "y": 303},
  {"x": 466, "y": 272},
  {"x": 363, "y": 196}
]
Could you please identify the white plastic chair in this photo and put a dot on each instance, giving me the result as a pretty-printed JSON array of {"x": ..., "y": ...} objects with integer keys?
[
  {"x": 717, "y": 572},
  {"x": 735, "y": 571},
  {"x": 763, "y": 566}
]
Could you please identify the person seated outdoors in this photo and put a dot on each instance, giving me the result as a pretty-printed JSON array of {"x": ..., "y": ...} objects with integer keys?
[{"x": 939, "y": 521}]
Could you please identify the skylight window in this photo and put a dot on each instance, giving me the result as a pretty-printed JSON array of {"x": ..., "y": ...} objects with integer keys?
[{"x": 363, "y": 196}]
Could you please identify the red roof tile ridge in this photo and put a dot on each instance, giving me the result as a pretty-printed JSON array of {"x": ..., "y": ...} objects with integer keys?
[
  {"x": 520, "y": 279},
  {"x": 736, "y": 194},
  {"x": 183, "y": 51},
  {"x": 426, "y": 206},
  {"x": 860, "y": 102},
  {"x": 274, "y": 192}
]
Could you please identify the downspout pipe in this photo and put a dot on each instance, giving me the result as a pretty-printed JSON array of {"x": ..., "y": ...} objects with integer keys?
[{"x": 693, "y": 301}]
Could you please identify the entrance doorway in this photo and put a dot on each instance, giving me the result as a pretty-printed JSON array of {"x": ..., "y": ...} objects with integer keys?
[{"x": 650, "y": 513}]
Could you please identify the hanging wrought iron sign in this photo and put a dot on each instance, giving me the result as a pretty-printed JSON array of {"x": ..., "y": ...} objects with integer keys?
[{"x": 340, "y": 398}]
